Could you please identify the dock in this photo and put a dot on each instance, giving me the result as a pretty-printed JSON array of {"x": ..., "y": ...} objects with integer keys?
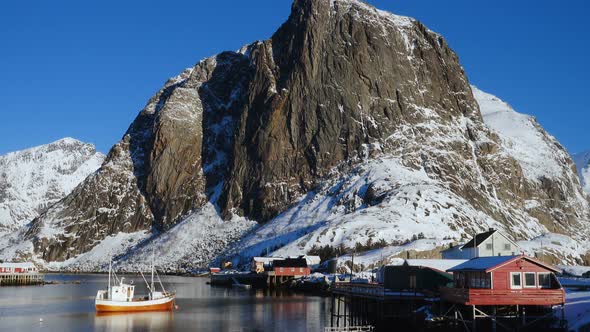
[
  {"x": 356, "y": 304},
  {"x": 21, "y": 279}
]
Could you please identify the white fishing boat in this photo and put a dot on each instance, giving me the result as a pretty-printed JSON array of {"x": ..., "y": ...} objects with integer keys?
[{"x": 120, "y": 297}]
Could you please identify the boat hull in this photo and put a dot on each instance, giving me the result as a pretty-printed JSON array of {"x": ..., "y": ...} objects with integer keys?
[{"x": 163, "y": 304}]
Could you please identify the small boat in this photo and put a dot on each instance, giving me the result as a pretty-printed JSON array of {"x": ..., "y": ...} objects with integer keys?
[{"x": 121, "y": 296}]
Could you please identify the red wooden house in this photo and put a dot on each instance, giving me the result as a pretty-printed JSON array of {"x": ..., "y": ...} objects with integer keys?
[
  {"x": 291, "y": 267},
  {"x": 504, "y": 280}
]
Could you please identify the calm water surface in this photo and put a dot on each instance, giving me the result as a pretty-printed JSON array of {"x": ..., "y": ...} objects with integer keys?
[{"x": 70, "y": 307}]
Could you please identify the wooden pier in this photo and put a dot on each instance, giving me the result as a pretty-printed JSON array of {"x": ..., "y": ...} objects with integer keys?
[
  {"x": 355, "y": 305},
  {"x": 21, "y": 279}
]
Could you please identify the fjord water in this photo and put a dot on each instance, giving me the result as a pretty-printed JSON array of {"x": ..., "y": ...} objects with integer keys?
[{"x": 69, "y": 306}]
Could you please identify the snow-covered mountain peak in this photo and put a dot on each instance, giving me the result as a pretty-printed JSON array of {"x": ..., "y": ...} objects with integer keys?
[
  {"x": 582, "y": 161},
  {"x": 35, "y": 178},
  {"x": 539, "y": 154}
]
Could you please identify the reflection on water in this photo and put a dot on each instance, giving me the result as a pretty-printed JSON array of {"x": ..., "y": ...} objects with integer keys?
[
  {"x": 70, "y": 307},
  {"x": 134, "y": 321}
]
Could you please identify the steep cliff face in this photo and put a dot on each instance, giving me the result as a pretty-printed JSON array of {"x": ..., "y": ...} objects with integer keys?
[
  {"x": 31, "y": 180},
  {"x": 340, "y": 90}
]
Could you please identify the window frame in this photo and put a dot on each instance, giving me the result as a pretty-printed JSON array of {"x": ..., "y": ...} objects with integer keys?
[
  {"x": 507, "y": 246},
  {"x": 512, "y": 285},
  {"x": 524, "y": 279},
  {"x": 548, "y": 274}
]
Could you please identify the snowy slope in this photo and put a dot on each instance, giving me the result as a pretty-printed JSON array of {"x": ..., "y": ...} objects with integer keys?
[
  {"x": 33, "y": 179},
  {"x": 405, "y": 202},
  {"x": 523, "y": 137},
  {"x": 582, "y": 161}
]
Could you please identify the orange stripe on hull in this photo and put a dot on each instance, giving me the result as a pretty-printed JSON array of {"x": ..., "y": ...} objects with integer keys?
[{"x": 153, "y": 307}]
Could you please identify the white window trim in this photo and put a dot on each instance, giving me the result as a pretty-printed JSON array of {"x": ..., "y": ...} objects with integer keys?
[
  {"x": 524, "y": 280},
  {"x": 546, "y": 273},
  {"x": 512, "y": 286}
]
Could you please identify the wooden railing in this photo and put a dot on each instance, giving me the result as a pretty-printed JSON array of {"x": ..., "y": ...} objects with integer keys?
[
  {"x": 350, "y": 329},
  {"x": 359, "y": 289}
]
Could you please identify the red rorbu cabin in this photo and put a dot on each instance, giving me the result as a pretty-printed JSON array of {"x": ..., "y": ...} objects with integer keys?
[
  {"x": 504, "y": 280},
  {"x": 292, "y": 267}
]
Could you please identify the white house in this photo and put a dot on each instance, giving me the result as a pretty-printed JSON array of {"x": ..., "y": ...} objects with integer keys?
[{"x": 490, "y": 243}]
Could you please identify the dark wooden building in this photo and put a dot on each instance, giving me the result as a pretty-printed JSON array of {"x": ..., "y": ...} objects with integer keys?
[{"x": 418, "y": 275}]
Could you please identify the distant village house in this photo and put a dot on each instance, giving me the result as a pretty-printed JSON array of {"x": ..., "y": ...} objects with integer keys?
[{"x": 490, "y": 243}]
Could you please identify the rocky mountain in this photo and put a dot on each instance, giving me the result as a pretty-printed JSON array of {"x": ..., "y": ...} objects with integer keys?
[
  {"x": 349, "y": 125},
  {"x": 582, "y": 161},
  {"x": 31, "y": 180}
]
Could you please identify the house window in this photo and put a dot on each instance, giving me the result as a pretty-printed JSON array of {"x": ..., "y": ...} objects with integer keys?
[
  {"x": 507, "y": 246},
  {"x": 544, "y": 279},
  {"x": 529, "y": 280},
  {"x": 292, "y": 269},
  {"x": 515, "y": 280},
  {"x": 301, "y": 269},
  {"x": 489, "y": 246},
  {"x": 281, "y": 269}
]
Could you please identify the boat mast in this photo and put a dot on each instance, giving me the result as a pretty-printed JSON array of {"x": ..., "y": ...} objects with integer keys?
[
  {"x": 109, "y": 289},
  {"x": 152, "y": 286}
]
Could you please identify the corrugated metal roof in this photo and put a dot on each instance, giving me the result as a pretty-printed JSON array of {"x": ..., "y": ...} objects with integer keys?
[
  {"x": 487, "y": 263},
  {"x": 481, "y": 263}
]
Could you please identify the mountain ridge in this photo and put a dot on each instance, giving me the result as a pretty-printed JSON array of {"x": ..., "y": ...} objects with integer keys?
[
  {"x": 33, "y": 179},
  {"x": 347, "y": 119}
]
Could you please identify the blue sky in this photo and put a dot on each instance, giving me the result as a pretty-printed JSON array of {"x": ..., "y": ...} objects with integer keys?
[{"x": 85, "y": 68}]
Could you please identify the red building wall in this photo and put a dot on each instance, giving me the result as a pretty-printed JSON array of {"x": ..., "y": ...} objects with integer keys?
[
  {"x": 501, "y": 276},
  {"x": 292, "y": 271}
]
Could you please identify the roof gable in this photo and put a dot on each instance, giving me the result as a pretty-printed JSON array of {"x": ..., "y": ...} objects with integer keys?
[{"x": 478, "y": 239}]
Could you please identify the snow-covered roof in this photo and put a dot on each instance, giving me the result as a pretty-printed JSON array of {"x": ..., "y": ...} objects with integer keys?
[
  {"x": 437, "y": 264},
  {"x": 26, "y": 265},
  {"x": 266, "y": 259},
  {"x": 490, "y": 263}
]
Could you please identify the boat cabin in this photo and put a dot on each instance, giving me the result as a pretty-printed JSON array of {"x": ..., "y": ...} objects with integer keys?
[
  {"x": 504, "y": 280},
  {"x": 120, "y": 293}
]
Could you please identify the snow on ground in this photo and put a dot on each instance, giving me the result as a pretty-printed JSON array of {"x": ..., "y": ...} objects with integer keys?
[
  {"x": 191, "y": 244},
  {"x": 98, "y": 258},
  {"x": 577, "y": 271},
  {"x": 556, "y": 243},
  {"x": 387, "y": 255}
]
